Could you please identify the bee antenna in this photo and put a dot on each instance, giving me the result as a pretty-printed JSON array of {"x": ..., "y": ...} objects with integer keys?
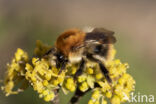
[{"x": 46, "y": 54}]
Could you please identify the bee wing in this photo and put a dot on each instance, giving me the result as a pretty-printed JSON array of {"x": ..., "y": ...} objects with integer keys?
[{"x": 101, "y": 35}]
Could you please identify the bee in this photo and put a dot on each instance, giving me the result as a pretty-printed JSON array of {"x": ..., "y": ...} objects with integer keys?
[{"x": 76, "y": 46}]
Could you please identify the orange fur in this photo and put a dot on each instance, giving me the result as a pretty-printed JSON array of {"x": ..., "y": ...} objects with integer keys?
[{"x": 68, "y": 40}]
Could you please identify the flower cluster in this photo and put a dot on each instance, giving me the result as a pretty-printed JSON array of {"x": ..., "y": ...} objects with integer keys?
[
  {"x": 16, "y": 73},
  {"x": 120, "y": 88},
  {"x": 46, "y": 80}
]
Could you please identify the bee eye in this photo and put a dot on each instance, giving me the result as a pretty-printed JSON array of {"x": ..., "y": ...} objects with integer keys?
[{"x": 61, "y": 57}]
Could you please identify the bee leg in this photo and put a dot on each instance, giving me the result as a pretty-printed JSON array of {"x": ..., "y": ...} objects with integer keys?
[
  {"x": 45, "y": 55},
  {"x": 102, "y": 67},
  {"x": 105, "y": 72},
  {"x": 63, "y": 66},
  {"x": 80, "y": 70},
  {"x": 78, "y": 94}
]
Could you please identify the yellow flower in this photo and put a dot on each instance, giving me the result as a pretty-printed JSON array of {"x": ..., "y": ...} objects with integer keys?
[
  {"x": 108, "y": 94},
  {"x": 20, "y": 55},
  {"x": 96, "y": 94},
  {"x": 90, "y": 102},
  {"x": 73, "y": 70},
  {"x": 83, "y": 86},
  {"x": 55, "y": 82},
  {"x": 82, "y": 78},
  {"x": 115, "y": 100},
  {"x": 104, "y": 101},
  {"x": 97, "y": 102},
  {"x": 98, "y": 76},
  {"x": 45, "y": 92},
  {"x": 45, "y": 83},
  {"x": 45, "y": 78},
  {"x": 70, "y": 85},
  {"x": 15, "y": 72},
  {"x": 49, "y": 97},
  {"x": 90, "y": 71}
]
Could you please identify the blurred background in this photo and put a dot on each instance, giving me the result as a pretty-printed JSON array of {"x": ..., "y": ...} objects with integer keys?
[{"x": 22, "y": 22}]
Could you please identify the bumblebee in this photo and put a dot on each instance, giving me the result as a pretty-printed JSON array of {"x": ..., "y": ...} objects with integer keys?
[{"x": 76, "y": 46}]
